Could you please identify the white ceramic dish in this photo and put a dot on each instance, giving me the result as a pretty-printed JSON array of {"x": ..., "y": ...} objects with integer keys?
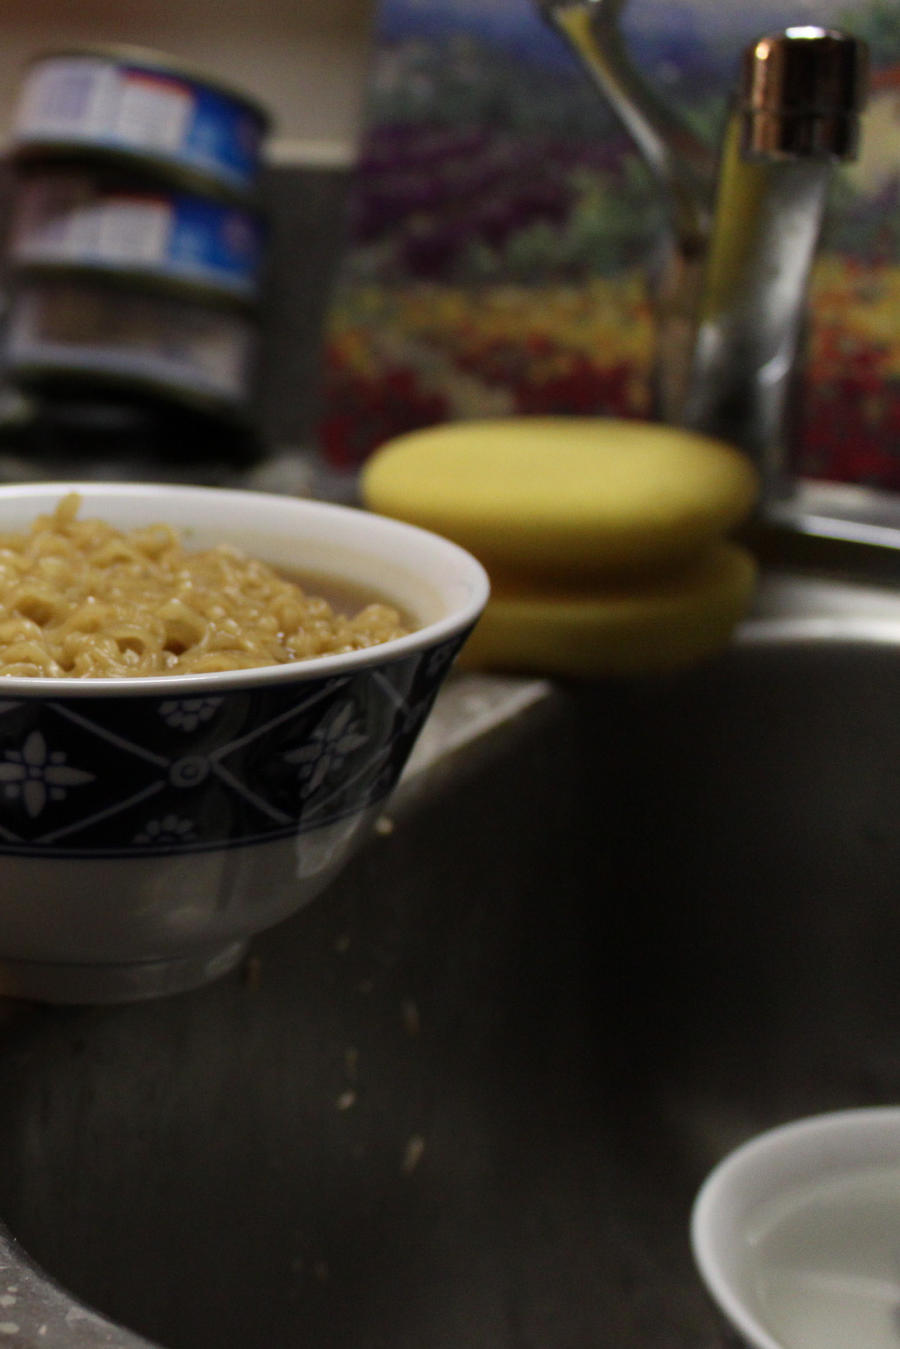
[
  {"x": 149, "y": 826},
  {"x": 797, "y": 1234}
]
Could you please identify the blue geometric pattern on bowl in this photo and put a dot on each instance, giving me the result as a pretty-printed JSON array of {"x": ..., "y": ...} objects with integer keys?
[{"x": 151, "y": 775}]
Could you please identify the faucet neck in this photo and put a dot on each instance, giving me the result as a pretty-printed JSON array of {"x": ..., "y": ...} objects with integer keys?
[
  {"x": 749, "y": 314},
  {"x": 795, "y": 117}
]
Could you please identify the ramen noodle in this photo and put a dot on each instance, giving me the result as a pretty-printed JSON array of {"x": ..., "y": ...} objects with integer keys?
[{"x": 82, "y": 598}]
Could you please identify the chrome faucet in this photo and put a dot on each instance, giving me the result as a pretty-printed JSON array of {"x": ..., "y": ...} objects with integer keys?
[{"x": 731, "y": 300}]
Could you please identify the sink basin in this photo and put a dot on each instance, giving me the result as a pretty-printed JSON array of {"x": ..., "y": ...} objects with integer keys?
[{"x": 466, "y": 1099}]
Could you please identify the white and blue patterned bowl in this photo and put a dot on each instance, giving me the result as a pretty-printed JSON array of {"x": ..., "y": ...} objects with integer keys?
[{"x": 149, "y": 826}]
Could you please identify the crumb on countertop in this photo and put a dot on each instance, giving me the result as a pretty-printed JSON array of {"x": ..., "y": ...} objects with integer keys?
[{"x": 413, "y": 1154}]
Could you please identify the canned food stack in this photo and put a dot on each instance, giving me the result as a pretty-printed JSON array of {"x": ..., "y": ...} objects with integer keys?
[{"x": 136, "y": 243}]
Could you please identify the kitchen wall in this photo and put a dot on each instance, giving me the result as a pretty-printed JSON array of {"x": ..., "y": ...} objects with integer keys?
[{"x": 305, "y": 59}]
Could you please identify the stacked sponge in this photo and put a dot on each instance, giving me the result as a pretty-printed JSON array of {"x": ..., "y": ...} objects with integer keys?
[{"x": 605, "y": 539}]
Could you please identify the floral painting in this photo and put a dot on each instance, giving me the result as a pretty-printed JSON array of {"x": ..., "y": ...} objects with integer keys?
[{"x": 504, "y": 227}]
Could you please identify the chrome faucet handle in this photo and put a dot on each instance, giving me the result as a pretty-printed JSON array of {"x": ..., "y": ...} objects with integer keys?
[{"x": 684, "y": 164}]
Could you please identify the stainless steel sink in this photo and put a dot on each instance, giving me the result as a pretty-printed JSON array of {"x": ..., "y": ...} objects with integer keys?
[{"x": 467, "y": 1097}]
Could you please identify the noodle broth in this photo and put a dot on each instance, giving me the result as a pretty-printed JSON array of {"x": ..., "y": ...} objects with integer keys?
[{"x": 81, "y": 598}]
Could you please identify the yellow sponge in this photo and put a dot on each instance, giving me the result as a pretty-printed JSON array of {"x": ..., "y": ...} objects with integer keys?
[
  {"x": 564, "y": 497},
  {"x": 660, "y": 625}
]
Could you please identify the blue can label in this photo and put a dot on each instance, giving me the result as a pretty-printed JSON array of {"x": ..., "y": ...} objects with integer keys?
[
  {"x": 72, "y": 219},
  {"x": 86, "y": 101},
  {"x": 213, "y": 241},
  {"x": 222, "y": 137}
]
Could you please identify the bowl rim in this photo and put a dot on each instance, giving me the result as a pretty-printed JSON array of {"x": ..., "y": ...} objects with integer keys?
[
  {"x": 749, "y": 1158},
  {"x": 433, "y": 634}
]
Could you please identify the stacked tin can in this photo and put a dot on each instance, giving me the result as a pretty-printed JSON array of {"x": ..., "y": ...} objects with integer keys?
[{"x": 136, "y": 243}]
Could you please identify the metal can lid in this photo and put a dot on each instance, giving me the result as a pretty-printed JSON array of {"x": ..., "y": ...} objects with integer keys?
[
  {"x": 147, "y": 169},
  {"x": 57, "y": 377},
  {"x": 136, "y": 280}
]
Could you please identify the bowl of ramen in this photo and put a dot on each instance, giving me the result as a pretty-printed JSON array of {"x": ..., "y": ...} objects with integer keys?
[{"x": 206, "y": 696}]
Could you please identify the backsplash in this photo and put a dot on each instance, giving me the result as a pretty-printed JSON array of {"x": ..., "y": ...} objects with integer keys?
[
  {"x": 503, "y": 228},
  {"x": 307, "y": 210}
]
